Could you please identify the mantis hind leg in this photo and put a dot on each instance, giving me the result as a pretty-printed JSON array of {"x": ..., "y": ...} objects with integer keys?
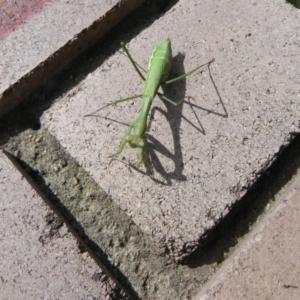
[
  {"x": 188, "y": 73},
  {"x": 163, "y": 97}
]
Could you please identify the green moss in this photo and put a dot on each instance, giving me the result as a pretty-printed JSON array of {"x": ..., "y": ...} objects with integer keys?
[{"x": 296, "y": 3}]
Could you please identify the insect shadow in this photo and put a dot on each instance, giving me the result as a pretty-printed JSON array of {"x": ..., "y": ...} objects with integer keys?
[
  {"x": 174, "y": 116},
  {"x": 193, "y": 105}
]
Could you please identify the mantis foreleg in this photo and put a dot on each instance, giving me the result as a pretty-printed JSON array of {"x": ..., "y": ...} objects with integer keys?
[
  {"x": 135, "y": 141},
  {"x": 124, "y": 141}
]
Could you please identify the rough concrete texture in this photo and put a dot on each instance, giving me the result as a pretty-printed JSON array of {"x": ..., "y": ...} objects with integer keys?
[
  {"x": 267, "y": 264},
  {"x": 40, "y": 257},
  {"x": 49, "y": 37},
  {"x": 15, "y": 13},
  {"x": 113, "y": 240},
  {"x": 31, "y": 44},
  {"x": 203, "y": 156}
]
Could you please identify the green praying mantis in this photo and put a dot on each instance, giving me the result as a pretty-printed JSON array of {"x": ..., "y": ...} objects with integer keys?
[{"x": 159, "y": 68}]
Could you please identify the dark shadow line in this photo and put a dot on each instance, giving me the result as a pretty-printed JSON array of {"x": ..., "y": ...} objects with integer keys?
[
  {"x": 28, "y": 112},
  {"x": 110, "y": 119},
  {"x": 217, "y": 91},
  {"x": 157, "y": 146},
  {"x": 37, "y": 181},
  {"x": 207, "y": 110},
  {"x": 223, "y": 115},
  {"x": 148, "y": 165},
  {"x": 227, "y": 232},
  {"x": 201, "y": 130},
  {"x": 149, "y": 171}
]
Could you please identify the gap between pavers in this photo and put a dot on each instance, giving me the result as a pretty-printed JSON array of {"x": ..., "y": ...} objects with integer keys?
[
  {"x": 204, "y": 155},
  {"x": 120, "y": 248},
  {"x": 267, "y": 263},
  {"x": 40, "y": 257},
  {"x": 48, "y": 40}
]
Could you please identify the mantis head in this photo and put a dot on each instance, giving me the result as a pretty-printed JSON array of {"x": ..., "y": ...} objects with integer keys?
[{"x": 135, "y": 141}]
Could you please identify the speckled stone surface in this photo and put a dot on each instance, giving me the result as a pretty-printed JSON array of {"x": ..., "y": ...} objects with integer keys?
[
  {"x": 37, "y": 38},
  {"x": 205, "y": 154},
  {"x": 40, "y": 257},
  {"x": 266, "y": 265}
]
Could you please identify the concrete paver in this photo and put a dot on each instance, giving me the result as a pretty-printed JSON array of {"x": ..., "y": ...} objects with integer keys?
[
  {"x": 267, "y": 264},
  {"x": 40, "y": 257},
  {"x": 47, "y": 37},
  {"x": 14, "y": 14},
  {"x": 119, "y": 247},
  {"x": 206, "y": 155},
  {"x": 250, "y": 114}
]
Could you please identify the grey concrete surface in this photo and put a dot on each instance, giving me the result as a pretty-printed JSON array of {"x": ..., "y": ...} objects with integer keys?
[
  {"x": 240, "y": 119},
  {"x": 267, "y": 264},
  {"x": 40, "y": 259},
  {"x": 49, "y": 39},
  {"x": 204, "y": 155},
  {"x": 119, "y": 247}
]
